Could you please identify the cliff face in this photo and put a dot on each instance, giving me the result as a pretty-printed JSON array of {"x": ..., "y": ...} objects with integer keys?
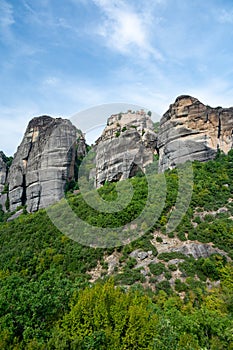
[
  {"x": 42, "y": 164},
  {"x": 189, "y": 130},
  {"x": 127, "y": 143},
  {"x": 45, "y": 159}
]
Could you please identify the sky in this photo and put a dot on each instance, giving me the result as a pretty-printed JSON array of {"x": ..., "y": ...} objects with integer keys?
[{"x": 60, "y": 57}]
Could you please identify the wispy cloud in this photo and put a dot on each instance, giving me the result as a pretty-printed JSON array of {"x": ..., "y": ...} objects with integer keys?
[
  {"x": 71, "y": 95},
  {"x": 6, "y": 19},
  {"x": 63, "y": 57},
  {"x": 125, "y": 28},
  {"x": 45, "y": 15},
  {"x": 225, "y": 16}
]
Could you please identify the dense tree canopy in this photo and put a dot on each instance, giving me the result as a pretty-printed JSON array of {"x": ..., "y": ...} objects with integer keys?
[{"x": 47, "y": 300}]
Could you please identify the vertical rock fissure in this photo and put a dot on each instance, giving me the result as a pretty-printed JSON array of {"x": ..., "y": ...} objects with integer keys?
[
  {"x": 39, "y": 198},
  {"x": 24, "y": 193},
  {"x": 219, "y": 126}
]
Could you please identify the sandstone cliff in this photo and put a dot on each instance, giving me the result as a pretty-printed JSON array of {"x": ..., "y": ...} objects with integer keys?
[
  {"x": 126, "y": 145},
  {"x": 189, "y": 130},
  {"x": 42, "y": 164}
]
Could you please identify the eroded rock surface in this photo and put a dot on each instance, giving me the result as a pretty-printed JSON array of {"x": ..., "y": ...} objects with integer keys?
[
  {"x": 42, "y": 164},
  {"x": 126, "y": 145},
  {"x": 189, "y": 248},
  {"x": 189, "y": 130}
]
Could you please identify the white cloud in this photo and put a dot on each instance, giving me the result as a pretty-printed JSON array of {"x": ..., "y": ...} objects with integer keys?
[{"x": 125, "y": 29}]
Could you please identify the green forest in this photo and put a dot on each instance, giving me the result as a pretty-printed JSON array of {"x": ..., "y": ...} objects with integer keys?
[{"x": 50, "y": 300}]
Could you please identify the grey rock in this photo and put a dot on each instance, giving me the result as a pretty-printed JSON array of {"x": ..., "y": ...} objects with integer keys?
[
  {"x": 175, "y": 261},
  {"x": 222, "y": 210},
  {"x": 197, "y": 250},
  {"x": 134, "y": 254},
  {"x": 3, "y": 199},
  {"x": 16, "y": 215},
  {"x": 126, "y": 146},
  {"x": 142, "y": 255},
  {"x": 189, "y": 130},
  {"x": 43, "y": 162},
  {"x": 144, "y": 272}
]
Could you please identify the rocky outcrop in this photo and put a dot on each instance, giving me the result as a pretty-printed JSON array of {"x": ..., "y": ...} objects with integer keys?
[
  {"x": 189, "y": 130},
  {"x": 197, "y": 250},
  {"x": 126, "y": 145},
  {"x": 43, "y": 162}
]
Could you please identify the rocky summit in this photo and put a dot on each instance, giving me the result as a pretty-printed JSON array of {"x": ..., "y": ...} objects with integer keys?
[
  {"x": 126, "y": 145},
  {"x": 43, "y": 163},
  {"x": 190, "y": 130}
]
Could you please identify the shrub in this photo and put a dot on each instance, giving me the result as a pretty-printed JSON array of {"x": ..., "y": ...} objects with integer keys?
[{"x": 157, "y": 269}]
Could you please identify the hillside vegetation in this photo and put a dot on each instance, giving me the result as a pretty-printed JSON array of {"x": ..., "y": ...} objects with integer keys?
[{"x": 58, "y": 294}]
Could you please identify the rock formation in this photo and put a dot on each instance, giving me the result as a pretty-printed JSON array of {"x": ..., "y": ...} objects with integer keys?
[
  {"x": 126, "y": 145},
  {"x": 189, "y": 130},
  {"x": 43, "y": 162}
]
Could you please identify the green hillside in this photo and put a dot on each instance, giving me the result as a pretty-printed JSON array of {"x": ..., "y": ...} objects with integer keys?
[{"x": 58, "y": 294}]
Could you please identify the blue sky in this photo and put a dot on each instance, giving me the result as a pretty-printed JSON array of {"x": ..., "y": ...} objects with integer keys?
[{"x": 58, "y": 57}]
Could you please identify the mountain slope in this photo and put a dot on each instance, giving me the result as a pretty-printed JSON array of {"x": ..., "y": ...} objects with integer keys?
[{"x": 45, "y": 277}]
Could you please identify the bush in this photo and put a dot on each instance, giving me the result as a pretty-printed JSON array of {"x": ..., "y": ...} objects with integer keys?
[{"x": 157, "y": 269}]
